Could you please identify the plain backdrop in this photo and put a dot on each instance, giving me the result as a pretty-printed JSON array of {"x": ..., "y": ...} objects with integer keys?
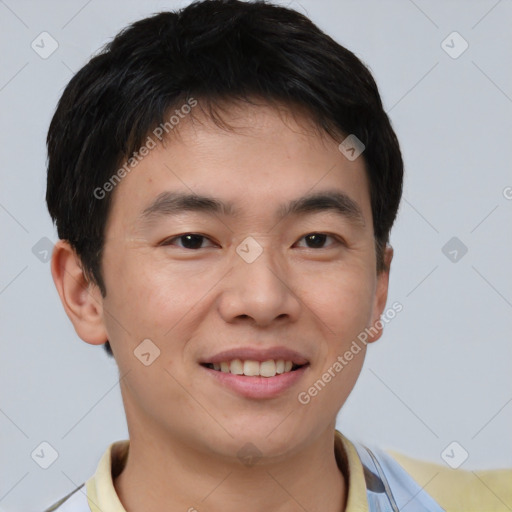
[{"x": 442, "y": 370}]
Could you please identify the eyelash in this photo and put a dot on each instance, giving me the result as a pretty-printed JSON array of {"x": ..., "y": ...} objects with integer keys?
[{"x": 336, "y": 238}]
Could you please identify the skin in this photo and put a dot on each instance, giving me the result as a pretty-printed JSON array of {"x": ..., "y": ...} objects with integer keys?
[{"x": 185, "y": 428}]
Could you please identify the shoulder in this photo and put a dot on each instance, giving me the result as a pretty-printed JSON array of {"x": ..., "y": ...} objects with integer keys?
[
  {"x": 86, "y": 496},
  {"x": 75, "y": 501},
  {"x": 398, "y": 481},
  {"x": 459, "y": 489}
]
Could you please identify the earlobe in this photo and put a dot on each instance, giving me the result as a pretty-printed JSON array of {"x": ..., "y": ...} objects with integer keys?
[
  {"x": 81, "y": 299},
  {"x": 381, "y": 296}
]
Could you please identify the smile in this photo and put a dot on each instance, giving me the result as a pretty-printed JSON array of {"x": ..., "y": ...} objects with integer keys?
[{"x": 251, "y": 368}]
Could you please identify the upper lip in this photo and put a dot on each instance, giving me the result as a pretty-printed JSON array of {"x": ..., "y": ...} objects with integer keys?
[{"x": 257, "y": 354}]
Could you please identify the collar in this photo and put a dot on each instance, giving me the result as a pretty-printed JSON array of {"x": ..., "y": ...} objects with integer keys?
[{"x": 102, "y": 496}]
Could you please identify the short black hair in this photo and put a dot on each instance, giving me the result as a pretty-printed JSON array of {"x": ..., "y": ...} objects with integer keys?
[{"x": 215, "y": 51}]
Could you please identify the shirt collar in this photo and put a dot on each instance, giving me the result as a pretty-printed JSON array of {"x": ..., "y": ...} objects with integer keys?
[{"x": 102, "y": 495}]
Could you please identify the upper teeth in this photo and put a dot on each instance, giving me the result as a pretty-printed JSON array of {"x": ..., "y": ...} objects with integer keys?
[{"x": 254, "y": 368}]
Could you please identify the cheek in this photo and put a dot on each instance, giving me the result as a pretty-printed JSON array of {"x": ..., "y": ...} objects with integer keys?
[
  {"x": 142, "y": 303},
  {"x": 343, "y": 300},
  {"x": 147, "y": 297},
  {"x": 152, "y": 301}
]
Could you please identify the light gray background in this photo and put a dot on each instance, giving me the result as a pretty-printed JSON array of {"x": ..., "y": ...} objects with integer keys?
[{"x": 441, "y": 372}]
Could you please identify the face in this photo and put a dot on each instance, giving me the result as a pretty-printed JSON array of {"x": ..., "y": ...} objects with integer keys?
[{"x": 265, "y": 278}]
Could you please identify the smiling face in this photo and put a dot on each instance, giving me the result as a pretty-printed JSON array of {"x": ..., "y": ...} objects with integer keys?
[{"x": 272, "y": 273}]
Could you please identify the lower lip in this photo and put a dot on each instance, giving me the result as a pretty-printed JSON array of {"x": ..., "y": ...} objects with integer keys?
[{"x": 258, "y": 387}]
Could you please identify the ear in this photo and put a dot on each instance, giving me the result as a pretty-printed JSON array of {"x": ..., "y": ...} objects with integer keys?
[
  {"x": 81, "y": 299},
  {"x": 381, "y": 296}
]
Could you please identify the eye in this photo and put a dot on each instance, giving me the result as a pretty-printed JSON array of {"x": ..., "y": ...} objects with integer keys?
[
  {"x": 317, "y": 240},
  {"x": 191, "y": 241}
]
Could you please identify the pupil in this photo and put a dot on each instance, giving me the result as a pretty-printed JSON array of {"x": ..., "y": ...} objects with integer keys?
[
  {"x": 317, "y": 239},
  {"x": 192, "y": 241}
]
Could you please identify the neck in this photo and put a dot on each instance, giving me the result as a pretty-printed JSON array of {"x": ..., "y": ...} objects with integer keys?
[{"x": 162, "y": 474}]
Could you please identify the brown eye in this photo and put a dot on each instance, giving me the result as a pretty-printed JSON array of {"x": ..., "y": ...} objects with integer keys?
[
  {"x": 317, "y": 240},
  {"x": 191, "y": 241}
]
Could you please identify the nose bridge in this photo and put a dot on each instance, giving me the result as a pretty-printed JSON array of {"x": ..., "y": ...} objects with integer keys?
[{"x": 258, "y": 286}]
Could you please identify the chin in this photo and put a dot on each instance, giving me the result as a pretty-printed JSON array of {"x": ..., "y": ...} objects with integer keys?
[{"x": 267, "y": 439}]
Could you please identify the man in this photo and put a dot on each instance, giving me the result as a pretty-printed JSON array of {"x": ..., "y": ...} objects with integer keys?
[{"x": 224, "y": 180}]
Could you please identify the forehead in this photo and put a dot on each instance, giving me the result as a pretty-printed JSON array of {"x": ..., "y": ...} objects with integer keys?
[{"x": 263, "y": 157}]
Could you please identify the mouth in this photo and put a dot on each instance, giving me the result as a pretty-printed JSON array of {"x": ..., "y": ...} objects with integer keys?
[
  {"x": 255, "y": 373},
  {"x": 251, "y": 368}
]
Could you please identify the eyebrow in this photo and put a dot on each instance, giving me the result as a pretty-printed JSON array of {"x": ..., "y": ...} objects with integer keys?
[{"x": 174, "y": 203}]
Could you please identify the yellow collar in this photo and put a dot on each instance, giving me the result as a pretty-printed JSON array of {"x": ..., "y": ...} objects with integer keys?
[{"x": 102, "y": 495}]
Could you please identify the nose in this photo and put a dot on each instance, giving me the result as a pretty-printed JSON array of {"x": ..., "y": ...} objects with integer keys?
[{"x": 260, "y": 291}]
